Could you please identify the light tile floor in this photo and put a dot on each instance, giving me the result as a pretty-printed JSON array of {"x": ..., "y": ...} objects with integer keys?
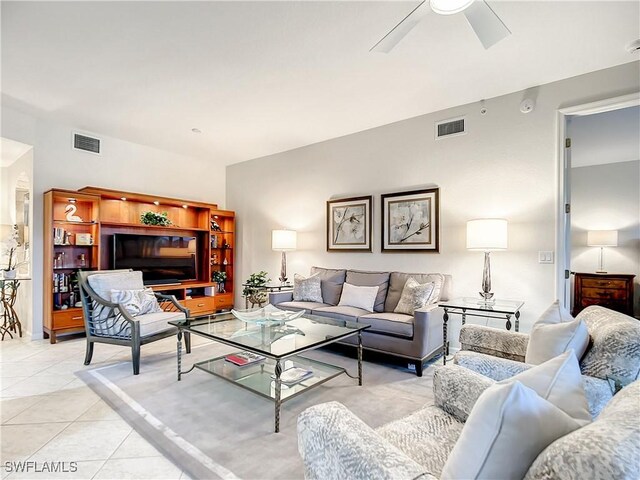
[{"x": 48, "y": 414}]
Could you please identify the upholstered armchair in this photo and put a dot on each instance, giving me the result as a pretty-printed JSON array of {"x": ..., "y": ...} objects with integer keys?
[
  {"x": 611, "y": 361},
  {"x": 335, "y": 444},
  {"x": 108, "y": 322}
]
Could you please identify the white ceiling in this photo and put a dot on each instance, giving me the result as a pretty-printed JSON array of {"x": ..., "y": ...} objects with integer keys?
[
  {"x": 263, "y": 77},
  {"x": 608, "y": 137}
]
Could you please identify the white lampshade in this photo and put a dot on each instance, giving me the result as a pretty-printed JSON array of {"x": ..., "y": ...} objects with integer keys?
[
  {"x": 487, "y": 234},
  {"x": 449, "y": 7},
  {"x": 602, "y": 238},
  {"x": 284, "y": 240}
]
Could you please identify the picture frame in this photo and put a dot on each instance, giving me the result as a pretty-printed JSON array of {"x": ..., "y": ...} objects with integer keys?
[
  {"x": 411, "y": 221},
  {"x": 349, "y": 224}
]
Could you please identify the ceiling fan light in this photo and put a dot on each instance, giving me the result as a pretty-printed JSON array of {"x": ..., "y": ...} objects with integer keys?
[{"x": 449, "y": 7}]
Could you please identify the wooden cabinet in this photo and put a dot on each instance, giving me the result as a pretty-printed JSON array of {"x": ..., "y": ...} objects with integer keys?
[
  {"x": 614, "y": 291},
  {"x": 78, "y": 235}
]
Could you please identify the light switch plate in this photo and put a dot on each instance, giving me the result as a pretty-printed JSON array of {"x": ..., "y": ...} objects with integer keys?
[{"x": 545, "y": 257}]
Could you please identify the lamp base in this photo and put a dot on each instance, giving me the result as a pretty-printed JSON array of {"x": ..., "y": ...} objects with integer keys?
[{"x": 487, "y": 298}]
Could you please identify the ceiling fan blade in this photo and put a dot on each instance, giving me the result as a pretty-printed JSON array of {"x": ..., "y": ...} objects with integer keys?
[
  {"x": 487, "y": 25},
  {"x": 391, "y": 39}
]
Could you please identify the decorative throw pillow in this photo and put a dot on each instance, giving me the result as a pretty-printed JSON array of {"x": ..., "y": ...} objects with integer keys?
[
  {"x": 136, "y": 302},
  {"x": 414, "y": 296},
  {"x": 554, "y": 314},
  {"x": 559, "y": 381},
  {"x": 359, "y": 297},
  {"x": 307, "y": 289},
  {"x": 508, "y": 427},
  {"x": 548, "y": 340}
]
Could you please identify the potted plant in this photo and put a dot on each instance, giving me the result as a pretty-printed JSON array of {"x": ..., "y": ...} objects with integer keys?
[
  {"x": 254, "y": 288},
  {"x": 219, "y": 277},
  {"x": 10, "y": 250},
  {"x": 154, "y": 218}
]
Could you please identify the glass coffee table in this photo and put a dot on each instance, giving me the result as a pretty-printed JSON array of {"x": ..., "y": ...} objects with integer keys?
[{"x": 281, "y": 345}]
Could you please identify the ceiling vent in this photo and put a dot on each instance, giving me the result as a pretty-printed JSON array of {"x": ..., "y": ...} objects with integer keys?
[
  {"x": 86, "y": 143},
  {"x": 450, "y": 128}
]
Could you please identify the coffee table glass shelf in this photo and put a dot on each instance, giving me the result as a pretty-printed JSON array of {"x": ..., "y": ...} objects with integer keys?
[{"x": 280, "y": 344}]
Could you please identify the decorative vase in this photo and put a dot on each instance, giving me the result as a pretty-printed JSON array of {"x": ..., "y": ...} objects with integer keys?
[
  {"x": 10, "y": 273},
  {"x": 221, "y": 288}
]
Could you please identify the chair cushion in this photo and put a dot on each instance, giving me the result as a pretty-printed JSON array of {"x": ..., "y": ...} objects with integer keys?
[
  {"x": 136, "y": 302},
  {"x": 152, "y": 323},
  {"x": 307, "y": 289},
  {"x": 371, "y": 279},
  {"x": 508, "y": 427},
  {"x": 414, "y": 296},
  {"x": 397, "y": 281},
  {"x": 349, "y": 314},
  {"x": 104, "y": 281},
  {"x": 331, "y": 283},
  {"x": 389, "y": 323},
  {"x": 551, "y": 339},
  {"x": 308, "y": 306},
  {"x": 360, "y": 297}
]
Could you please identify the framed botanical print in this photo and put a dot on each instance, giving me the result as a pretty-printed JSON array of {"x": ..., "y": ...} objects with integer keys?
[
  {"x": 349, "y": 225},
  {"x": 410, "y": 221}
]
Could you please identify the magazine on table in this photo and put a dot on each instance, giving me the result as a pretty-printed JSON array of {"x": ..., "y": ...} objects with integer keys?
[
  {"x": 244, "y": 358},
  {"x": 294, "y": 375}
]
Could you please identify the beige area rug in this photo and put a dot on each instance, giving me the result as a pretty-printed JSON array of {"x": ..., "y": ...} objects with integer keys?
[{"x": 214, "y": 429}]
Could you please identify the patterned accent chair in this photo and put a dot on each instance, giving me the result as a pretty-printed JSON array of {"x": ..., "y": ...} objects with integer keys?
[
  {"x": 612, "y": 358},
  {"x": 107, "y": 322},
  {"x": 336, "y": 444}
]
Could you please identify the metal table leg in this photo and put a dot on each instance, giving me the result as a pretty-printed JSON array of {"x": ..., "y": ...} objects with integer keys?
[
  {"x": 508, "y": 325},
  {"x": 517, "y": 321},
  {"x": 179, "y": 353},
  {"x": 445, "y": 342},
  {"x": 359, "y": 359},
  {"x": 278, "y": 372}
]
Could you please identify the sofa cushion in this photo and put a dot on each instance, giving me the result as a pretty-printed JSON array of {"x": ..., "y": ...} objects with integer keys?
[
  {"x": 508, "y": 427},
  {"x": 426, "y": 436},
  {"x": 152, "y": 323},
  {"x": 397, "y": 281},
  {"x": 414, "y": 296},
  {"x": 349, "y": 314},
  {"x": 389, "y": 323},
  {"x": 103, "y": 282},
  {"x": 360, "y": 297},
  {"x": 609, "y": 447},
  {"x": 307, "y": 289},
  {"x": 371, "y": 279},
  {"x": 331, "y": 283},
  {"x": 308, "y": 306}
]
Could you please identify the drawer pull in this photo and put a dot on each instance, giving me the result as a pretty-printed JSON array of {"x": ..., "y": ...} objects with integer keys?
[
  {"x": 201, "y": 304},
  {"x": 76, "y": 318}
]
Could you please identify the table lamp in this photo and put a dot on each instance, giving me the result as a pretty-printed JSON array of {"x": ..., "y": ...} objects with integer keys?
[
  {"x": 602, "y": 238},
  {"x": 283, "y": 241},
  {"x": 487, "y": 235}
]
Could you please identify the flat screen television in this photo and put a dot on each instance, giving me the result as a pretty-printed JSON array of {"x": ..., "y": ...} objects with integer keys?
[{"x": 162, "y": 259}]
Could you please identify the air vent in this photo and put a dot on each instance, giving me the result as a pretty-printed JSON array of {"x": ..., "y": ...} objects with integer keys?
[
  {"x": 450, "y": 128},
  {"x": 86, "y": 144}
]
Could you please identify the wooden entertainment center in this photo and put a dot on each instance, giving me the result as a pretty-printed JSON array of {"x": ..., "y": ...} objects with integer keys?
[{"x": 78, "y": 231}]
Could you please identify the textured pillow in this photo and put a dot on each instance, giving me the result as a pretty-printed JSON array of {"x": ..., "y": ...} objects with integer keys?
[
  {"x": 559, "y": 381},
  {"x": 508, "y": 427},
  {"x": 414, "y": 296},
  {"x": 307, "y": 289},
  {"x": 136, "y": 302},
  {"x": 548, "y": 340},
  {"x": 359, "y": 297}
]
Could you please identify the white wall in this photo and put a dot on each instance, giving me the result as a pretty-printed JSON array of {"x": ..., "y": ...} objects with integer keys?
[
  {"x": 505, "y": 166},
  {"x": 607, "y": 197},
  {"x": 123, "y": 166}
]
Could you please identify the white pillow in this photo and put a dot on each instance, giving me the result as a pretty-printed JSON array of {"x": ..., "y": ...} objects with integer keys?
[
  {"x": 136, "y": 302},
  {"x": 559, "y": 381},
  {"x": 508, "y": 427},
  {"x": 307, "y": 289},
  {"x": 414, "y": 296},
  {"x": 359, "y": 297},
  {"x": 548, "y": 340},
  {"x": 554, "y": 314}
]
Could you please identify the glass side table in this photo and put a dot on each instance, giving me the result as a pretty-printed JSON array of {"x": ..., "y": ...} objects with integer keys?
[
  {"x": 259, "y": 295},
  {"x": 476, "y": 307}
]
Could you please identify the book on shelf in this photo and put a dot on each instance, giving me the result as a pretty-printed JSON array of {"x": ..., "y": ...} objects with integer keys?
[
  {"x": 244, "y": 358},
  {"x": 294, "y": 375}
]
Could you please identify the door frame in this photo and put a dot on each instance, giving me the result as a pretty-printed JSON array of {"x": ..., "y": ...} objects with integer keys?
[{"x": 563, "y": 162}]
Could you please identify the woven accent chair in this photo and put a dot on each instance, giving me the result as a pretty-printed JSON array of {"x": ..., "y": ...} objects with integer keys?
[{"x": 107, "y": 322}]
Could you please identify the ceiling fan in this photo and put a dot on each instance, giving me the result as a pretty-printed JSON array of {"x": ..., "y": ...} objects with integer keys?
[{"x": 484, "y": 21}]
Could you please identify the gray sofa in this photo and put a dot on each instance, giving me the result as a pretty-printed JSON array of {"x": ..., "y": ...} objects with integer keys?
[
  {"x": 415, "y": 338},
  {"x": 335, "y": 444}
]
